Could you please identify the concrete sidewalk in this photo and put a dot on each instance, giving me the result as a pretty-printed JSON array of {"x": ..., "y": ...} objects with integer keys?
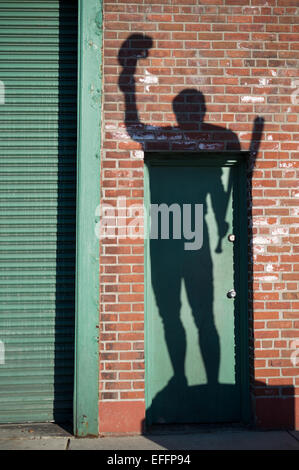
[{"x": 53, "y": 437}]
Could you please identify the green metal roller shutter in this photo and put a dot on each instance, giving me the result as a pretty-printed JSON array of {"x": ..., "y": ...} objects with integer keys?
[{"x": 38, "y": 49}]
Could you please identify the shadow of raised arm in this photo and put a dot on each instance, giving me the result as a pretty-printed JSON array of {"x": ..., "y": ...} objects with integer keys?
[
  {"x": 256, "y": 137},
  {"x": 135, "y": 47}
]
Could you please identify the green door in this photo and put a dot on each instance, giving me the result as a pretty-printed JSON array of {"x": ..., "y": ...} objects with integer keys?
[
  {"x": 193, "y": 321},
  {"x": 38, "y": 50}
]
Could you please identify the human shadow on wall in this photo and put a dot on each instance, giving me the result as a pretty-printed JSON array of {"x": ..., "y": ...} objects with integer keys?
[{"x": 177, "y": 401}]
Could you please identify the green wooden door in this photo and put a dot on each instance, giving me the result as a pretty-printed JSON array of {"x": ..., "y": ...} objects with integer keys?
[
  {"x": 38, "y": 51},
  {"x": 193, "y": 327}
]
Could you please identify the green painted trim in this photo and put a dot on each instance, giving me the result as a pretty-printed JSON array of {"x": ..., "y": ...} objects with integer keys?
[
  {"x": 238, "y": 160},
  {"x": 86, "y": 390}
]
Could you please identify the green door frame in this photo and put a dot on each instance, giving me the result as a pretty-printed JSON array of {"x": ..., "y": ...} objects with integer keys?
[
  {"x": 237, "y": 159},
  {"x": 86, "y": 381}
]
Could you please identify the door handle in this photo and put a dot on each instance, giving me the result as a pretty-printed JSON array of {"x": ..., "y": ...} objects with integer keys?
[{"x": 231, "y": 294}]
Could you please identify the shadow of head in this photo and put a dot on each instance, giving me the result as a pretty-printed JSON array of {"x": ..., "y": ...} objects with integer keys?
[
  {"x": 133, "y": 48},
  {"x": 189, "y": 106}
]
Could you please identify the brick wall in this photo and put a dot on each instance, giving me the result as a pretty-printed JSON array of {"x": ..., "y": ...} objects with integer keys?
[{"x": 243, "y": 55}]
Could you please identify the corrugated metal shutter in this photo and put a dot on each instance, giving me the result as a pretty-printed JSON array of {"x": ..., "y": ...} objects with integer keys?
[{"x": 38, "y": 48}]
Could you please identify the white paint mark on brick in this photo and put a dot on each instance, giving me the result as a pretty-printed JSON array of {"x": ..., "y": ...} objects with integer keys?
[
  {"x": 121, "y": 134},
  {"x": 259, "y": 249},
  {"x": 210, "y": 146},
  {"x": 149, "y": 79},
  {"x": 252, "y": 99},
  {"x": 254, "y": 10},
  {"x": 269, "y": 268},
  {"x": 268, "y": 278},
  {"x": 273, "y": 73},
  {"x": 243, "y": 134},
  {"x": 110, "y": 127},
  {"x": 286, "y": 164},
  {"x": 263, "y": 82},
  {"x": 260, "y": 221},
  {"x": 280, "y": 231},
  {"x": 295, "y": 354},
  {"x": 270, "y": 137},
  {"x": 137, "y": 154},
  {"x": 294, "y": 95},
  {"x": 265, "y": 240}
]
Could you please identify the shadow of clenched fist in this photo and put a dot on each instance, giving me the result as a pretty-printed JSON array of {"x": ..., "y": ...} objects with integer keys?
[{"x": 133, "y": 48}]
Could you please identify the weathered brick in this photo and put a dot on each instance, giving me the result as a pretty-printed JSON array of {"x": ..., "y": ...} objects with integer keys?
[{"x": 243, "y": 56}]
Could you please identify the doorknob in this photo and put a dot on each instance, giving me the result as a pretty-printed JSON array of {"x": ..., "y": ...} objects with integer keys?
[{"x": 231, "y": 294}]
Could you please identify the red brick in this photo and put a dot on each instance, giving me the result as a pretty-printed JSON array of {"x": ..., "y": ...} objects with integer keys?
[
  {"x": 229, "y": 51},
  {"x": 121, "y": 417}
]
